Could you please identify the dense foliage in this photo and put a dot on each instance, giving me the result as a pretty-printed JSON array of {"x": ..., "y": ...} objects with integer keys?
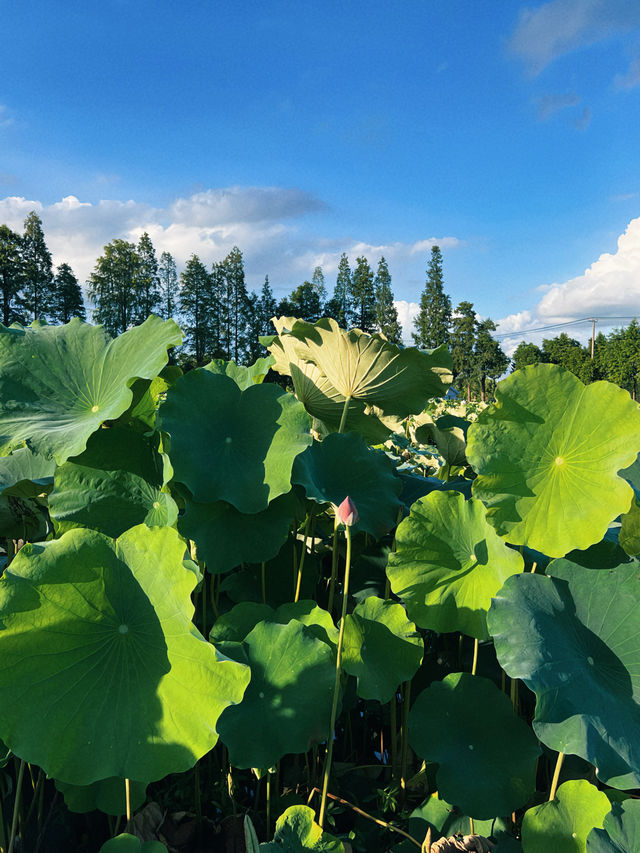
[{"x": 336, "y": 616}]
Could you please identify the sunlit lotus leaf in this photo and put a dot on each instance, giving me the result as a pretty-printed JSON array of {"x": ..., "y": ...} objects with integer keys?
[
  {"x": 243, "y": 376},
  {"x": 397, "y": 381},
  {"x": 126, "y": 843},
  {"x": 574, "y": 639},
  {"x": 562, "y": 825},
  {"x": 147, "y": 396},
  {"x": 344, "y": 465},
  {"x": 448, "y": 433},
  {"x": 448, "y": 564},
  {"x": 381, "y": 648},
  {"x": 107, "y": 795},
  {"x": 487, "y": 755},
  {"x": 241, "y": 619},
  {"x": 287, "y": 706},
  {"x": 97, "y": 642},
  {"x": 548, "y": 454},
  {"x": 297, "y": 831},
  {"x": 112, "y": 486},
  {"x": 24, "y": 474},
  {"x": 233, "y": 445},
  {"x": 59, "y": 383},
  {"x": 620, "y": 831},
  {"x": 445, "y": 820},
  {"x": 225, "y": 537}
]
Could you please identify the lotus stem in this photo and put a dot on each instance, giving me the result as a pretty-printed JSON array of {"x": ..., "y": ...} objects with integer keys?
[
  {"x": 302, "y": 556},
  {"x": 556, "y": 776},
  {"x": 345, "y": 411},
  {"x": 334, "y": 566},
  {"x": 336, "y": 686},
  {"x": 475, "y": 656},
  {"x": 127, "y": 796},
  {"x": 16, "y": 807},
  {"x": 405, "y": 738}
]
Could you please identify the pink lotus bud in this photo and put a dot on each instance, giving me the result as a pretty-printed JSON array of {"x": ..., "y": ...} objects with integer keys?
[{"x": 347, "y": 512}]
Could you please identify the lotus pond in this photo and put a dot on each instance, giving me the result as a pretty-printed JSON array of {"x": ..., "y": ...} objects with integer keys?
[{"x": 314, "y": 609}]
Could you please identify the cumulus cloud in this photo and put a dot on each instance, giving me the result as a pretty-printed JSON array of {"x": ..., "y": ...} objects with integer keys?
[
  {"x": 546, "y": 32},
  {"x": 267, "y": 223},
  {"x": 407, "y": 313},
  {"x": 550, "y": 104}
]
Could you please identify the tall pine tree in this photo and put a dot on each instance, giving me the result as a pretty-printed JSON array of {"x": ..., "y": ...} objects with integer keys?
[
  {"x": 319, "y": 287},
  {"x": 68, "y": 301},
  {"x": 236, "y": 306},
  {"x": 490, "y": 362},
  {"x": 168, "y": 279},
  {"x": 463, "y": 338},
  {"x": 386, "y": 315},
  {"x": 12, "y": 275},
  {"x": 339, "y": 306},
  {"x": 363, "y": 296},
  {"x": 267, "y": 308},
  {"x": 434, "y": 318},
  {"x": 149, "y": 294},
  {"x": 38, "y": 288},
  {"x": 114, "y": 287},
  {"x": 304, "y": 303},
  {"x": 195, "y": 307}
]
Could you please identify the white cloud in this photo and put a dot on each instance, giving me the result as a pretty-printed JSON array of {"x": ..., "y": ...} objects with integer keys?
[
  {"x": 550, "y": 104},
  {"x": 553, "y": 29},
  {"x": 631, "y": 79},
  {"x": 407, "y": 313},
  {"x": 243, "y": 204}
]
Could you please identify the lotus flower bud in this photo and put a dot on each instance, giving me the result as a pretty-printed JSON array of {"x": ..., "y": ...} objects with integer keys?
[{"x": 347, "y": 512}]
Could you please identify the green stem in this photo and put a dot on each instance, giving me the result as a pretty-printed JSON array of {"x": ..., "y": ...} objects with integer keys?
[
  {"x": 302, "y": 556},
  {"x": 556, "y": 776},
  {"x": 16, "y": 807},
  {"x": 263, "y": 573},
  {"x": 268, "y": 804},
  {"x": 213, "y": 595},
  {"x": 345, "y": 410},
  {"x": 394, "y": 735},
  {"x": 336, "y": 686},
  {"x": 334, "y": 567},
  {"x": 127, "y": 796},
  {"x": 475, "y": 657},
  {"x": 405, "y": 738}
]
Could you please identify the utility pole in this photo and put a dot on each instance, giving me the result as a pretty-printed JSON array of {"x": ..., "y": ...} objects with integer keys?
[{"x": 593, "y": 336}]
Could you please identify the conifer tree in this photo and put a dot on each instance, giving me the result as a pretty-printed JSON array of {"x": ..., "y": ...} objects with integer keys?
[
  {"x": 168, "y": 279},
  {"x": 38, "y": 288},
  {"x": 68, "y": 301},
  {"x": 235, "y": 305},
  {"x": 490, "y": 362},
  {"x": 386, "y": 315},
  {"x": 217, "y": 312},
  {"x": 434, "y": 318},
  {"x": 304, "y": 303},
  {"x": 363, "y": 296},
  {"x": 149, "y": 294},
  {"x": 339, "y": 306},
  {"x": 114, "y": 287},
  {"x": 12, "y": 275},
  {"x": 195, "y": 298},
  {"x": 463, "y": 337},
  {"x": 267, "y": 308},
  {"x": 255, "y": 321},
  {"x": 319, "y": 287}
]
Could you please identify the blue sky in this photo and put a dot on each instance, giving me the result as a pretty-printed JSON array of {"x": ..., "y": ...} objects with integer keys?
[{"x": 509, "y": 134}]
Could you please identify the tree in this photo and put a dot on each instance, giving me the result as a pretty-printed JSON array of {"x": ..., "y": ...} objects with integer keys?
[
  {"x": 339, "y": 306},
  {"x": 195, "y": 298},
  {"x": 267, "y": 308},
  {"x": 526, "y": 354},
  {"x": 149, "y": 293},
  {"x": 386, "y": 315},
  {"x": 113, "y": 287},
  {"x": 305, "y": 302},
  {"x": 570, "y": 354},
  {"x": 433, "y": 321},
  {"x": 623, "y": 357},
  {"x": 463, "y": 338},
  {"x": 168, "y": 281},
  {"x": 68, "y": 301},
  {"x": 490, "y": 362},
  {"x": 235, "y": 306},
  {"x": 38, "y": 288},
  {"x": 363, "y": 297},
  {"x": 218, "y": 320},
  {"x": 319, "y": 286},
  {"x": 12, "y": 275}
]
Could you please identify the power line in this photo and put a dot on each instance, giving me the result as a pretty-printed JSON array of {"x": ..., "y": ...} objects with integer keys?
[{"x": 561, "y": 325}]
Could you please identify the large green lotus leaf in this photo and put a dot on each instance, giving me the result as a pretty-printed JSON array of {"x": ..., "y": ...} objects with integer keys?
[
  {"x": 226, "y": 537},
  {"x": 296, "y": 831},
  {"x": 243, "y": 376},
  {"x": 448, "y": 433},
  {"x": 396, "y": 380},
  {"x": 59, "y": 383},
  {"x": 548, "y": 452},
  {"x": 112, "y": 486},
  {"x": 487, "y": 755},
  {"x": 98, "y": 644},
  {"x": 629, "y": 535},
  {"x": 287, "y": 706},
  {"x": 574, "y": 639},
  {"x": 344, "y": 465},
  {"x": 126, "y": 843},
  {"x": 107, "y": 795},
  {"x": 241, "y": 619},
  {"x": 24, "y": 474},
  {"x": 233, "y": 445},
  {"x": 620, "y": 831},
  {"x": 448, "y": 564},
  {"x": 381, "y": 648},
  {"x": 147, "y": 396},
  {"x": 562, "y": 825},
  {"x": 445, "y": 820}
]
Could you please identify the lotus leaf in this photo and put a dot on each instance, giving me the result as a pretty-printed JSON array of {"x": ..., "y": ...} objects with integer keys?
[
  {"x": 126, "y": 843},
  {"x": 381, "y": 648},
  {"x": 24, "y": 474},
  {"x": 147, "y": 396},
  {"x": 22, "y": 519},
  {"x": 562, "y": 825},
  {"x": 287, "y": 706},
  {"x": 414, "y": 487},
  {"x": 343, "y": 465},
  {"x": 620, "y": 831},
  {"x": 296, "y": 831},
  {"x": 446, "y": 820},
  {"x": 548, "y": 454},
  {"x": 233, "y": 445},
  {"x": 487, "y": 755},
  {"x": 448, "y": 564},
  {"x": 244, "y": 377},
  {"x": 238, "y": 622},
  {"x": 629, "y": 536},
  {"x": 107, "y": 795},
  {"x": 448, "y": 433},
  {"x": 226, "y": 537},
  {"x": 574, "y": 639},
  {"x": 98, "y": 644},
  {"x": 59, "y": 383}
]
